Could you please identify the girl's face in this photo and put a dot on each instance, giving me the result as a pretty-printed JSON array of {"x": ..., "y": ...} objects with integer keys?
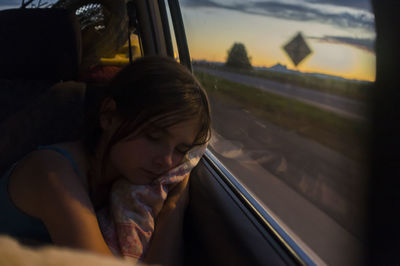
[{"x": 142, "y": 159}]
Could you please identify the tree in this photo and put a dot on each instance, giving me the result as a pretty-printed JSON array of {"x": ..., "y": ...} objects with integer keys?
[{"x": 237, "y": 57}]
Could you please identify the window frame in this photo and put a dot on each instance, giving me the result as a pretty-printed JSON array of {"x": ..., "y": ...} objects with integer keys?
[{"x": 268, "y": 227}]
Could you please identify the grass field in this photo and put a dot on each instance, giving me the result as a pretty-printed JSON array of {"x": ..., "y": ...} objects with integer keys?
[
  {"x": 354, "y": 90},
  {"x": 344, "y": 135}
]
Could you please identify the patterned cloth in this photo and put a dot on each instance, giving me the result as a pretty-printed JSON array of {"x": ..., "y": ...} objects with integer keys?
[{"x": 128, "y": 223}]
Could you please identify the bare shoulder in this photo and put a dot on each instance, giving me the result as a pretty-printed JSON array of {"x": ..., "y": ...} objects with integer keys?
[
  {"x": 42, "y": 176},
  {"x": 45, "y": 186},
  {"x": 12, "y": 252}
]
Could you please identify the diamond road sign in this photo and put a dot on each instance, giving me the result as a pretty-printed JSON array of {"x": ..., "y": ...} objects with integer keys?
[{"x": 297, "y": 49}]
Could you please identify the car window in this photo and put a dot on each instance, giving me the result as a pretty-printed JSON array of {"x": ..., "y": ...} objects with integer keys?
[
  {"x": 289, "y": 84},
  {"x": 104, "y": 33},
  {"x": 104, "y": 29}
]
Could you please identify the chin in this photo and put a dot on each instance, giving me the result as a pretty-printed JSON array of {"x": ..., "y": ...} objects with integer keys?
[{"x": 139, "y": 180}]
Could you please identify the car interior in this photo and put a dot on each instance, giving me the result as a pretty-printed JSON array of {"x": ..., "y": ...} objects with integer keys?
[{"x": 44, "y": 94}]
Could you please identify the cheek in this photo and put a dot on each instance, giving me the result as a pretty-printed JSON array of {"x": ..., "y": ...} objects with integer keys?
[{"x": 127, "y": 156}]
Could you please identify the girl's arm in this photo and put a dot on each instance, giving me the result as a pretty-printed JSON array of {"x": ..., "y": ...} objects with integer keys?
[
  {"x": 166, "y": 245},
  {"x": 46, "y": 187}
]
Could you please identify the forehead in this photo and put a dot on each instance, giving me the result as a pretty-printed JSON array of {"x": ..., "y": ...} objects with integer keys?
[{"x": 185, "y": 131}]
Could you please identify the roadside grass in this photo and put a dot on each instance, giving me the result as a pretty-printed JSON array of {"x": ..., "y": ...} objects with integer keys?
[
  {"x": 347, "y": 136},
  {"x": 351, "y": 89}
]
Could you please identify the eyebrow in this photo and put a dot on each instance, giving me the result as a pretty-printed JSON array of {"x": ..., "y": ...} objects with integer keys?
[
  {"x": 186, "y": 144},
  {"x": 166, "y": 132}
]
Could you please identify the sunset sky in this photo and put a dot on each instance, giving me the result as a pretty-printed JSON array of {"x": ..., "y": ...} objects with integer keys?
[{"x": 340, "y": 33}]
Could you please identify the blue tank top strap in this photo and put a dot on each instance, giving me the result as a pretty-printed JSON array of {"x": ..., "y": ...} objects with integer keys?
[{"x": 64, "y": 153}]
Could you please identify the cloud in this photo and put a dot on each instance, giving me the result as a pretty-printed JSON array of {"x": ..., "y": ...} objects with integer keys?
[
  {"x": 10, "y": 3},
  {"x": 307, "y": 13},
  {"x": 360, "y": 43},
  {"x": 302, "y": 11},
  {"x": 201, "y": 3},
  {"x": 213, "y": 4},
  {"x": 360, "y": 4}
]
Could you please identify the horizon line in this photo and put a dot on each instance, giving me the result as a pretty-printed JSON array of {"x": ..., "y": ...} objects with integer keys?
[{"x": 293, "y": 70}]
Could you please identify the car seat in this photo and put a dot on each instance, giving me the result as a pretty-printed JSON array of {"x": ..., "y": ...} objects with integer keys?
[{"x": 38, "y": 48}]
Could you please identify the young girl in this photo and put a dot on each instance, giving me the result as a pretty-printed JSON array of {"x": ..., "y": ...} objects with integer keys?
[{"x": 152, "y": 113}]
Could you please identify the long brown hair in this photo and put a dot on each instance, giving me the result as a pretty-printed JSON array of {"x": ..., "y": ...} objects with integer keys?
[{"x": 153, "y": 91}]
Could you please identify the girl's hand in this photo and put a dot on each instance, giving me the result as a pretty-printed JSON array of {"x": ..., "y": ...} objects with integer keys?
[
  {"x": 166, "y": 245},
  {"x": 178, "y": 196}
]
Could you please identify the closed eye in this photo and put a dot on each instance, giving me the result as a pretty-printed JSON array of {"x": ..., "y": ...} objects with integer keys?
[{"x": 183, "y": 149}]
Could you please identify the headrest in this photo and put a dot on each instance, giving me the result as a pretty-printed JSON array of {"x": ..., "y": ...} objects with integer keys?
[{"x": 39, "y": 44}]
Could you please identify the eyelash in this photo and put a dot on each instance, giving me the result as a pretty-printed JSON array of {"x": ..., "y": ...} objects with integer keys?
[
  {"x": 155, "y": 137},
  {"x": 182, "y": 152}
]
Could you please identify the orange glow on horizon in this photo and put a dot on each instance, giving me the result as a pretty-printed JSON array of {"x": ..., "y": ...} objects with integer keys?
[
  {"x": 356, "y": 74},
  {"x": 212, "y": 32},
  {"x": 331, "y": 59}
]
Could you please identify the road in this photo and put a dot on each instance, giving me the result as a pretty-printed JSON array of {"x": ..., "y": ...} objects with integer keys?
[
  {"x": 333, "y": 103},
  {"x": 315, "y": 191}
]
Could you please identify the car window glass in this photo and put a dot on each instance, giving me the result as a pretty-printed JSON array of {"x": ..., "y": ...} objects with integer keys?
[
  {"x": 104, "y": 30},
  {"x": 289, "y": 84},
  {"x": 104, "y": 35}
]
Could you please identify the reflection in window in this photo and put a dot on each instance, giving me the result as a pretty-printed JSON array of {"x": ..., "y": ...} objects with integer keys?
[{"x": 121, "y": 56}]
